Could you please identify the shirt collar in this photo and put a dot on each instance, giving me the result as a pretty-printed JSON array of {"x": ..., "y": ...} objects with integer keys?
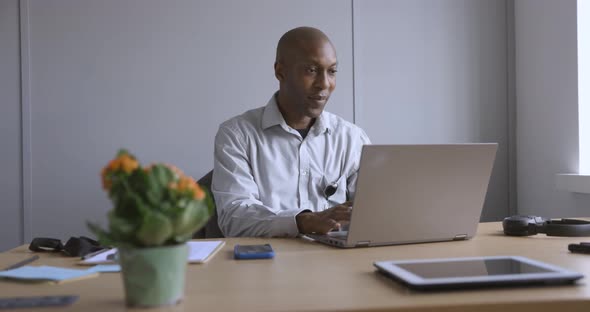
[
  {"x": 322, "y": 125},
  {"x": 272, "y": 116}
]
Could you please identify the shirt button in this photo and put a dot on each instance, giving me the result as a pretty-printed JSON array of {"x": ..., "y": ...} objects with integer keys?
[{"x": 303, "y": 172}]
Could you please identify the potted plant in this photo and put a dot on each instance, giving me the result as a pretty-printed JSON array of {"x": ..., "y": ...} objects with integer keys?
[{"x": 156, "y": 210}]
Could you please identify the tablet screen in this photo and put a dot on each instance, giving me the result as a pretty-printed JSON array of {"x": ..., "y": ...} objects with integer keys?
[
  {"x": 480, "y": 267},
  {"x": 470, "y": 272}
]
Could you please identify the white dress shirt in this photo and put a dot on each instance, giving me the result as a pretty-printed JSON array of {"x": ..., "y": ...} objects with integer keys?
[{"x": 265, "y": 173}]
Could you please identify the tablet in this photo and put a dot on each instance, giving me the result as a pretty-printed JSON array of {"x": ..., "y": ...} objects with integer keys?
[{"x": 464, "y": 273}]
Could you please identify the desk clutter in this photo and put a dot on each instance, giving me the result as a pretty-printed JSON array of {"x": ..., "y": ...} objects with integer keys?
[
  {"x": 102, "y": 262},
  {"x": 408, "y": 276}
]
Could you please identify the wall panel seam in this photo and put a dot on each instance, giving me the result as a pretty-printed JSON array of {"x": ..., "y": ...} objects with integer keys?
[
  {"x": 511, "y": 102},
  {"x": 354, "y": 111},
  {"x": 25, "y": 97}
]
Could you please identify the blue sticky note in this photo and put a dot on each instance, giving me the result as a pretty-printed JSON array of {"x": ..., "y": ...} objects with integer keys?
[
  {"x": 105, "y": 268},
  {"x": 44, "y": 273}
]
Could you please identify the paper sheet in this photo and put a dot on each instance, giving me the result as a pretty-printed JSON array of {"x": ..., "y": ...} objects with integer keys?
[
  {"x": 45, "y": 273},
  {"x": 105, "y": 268},
  {"x": 199, "y": 252},
  {"x": 101, "y": 257}
]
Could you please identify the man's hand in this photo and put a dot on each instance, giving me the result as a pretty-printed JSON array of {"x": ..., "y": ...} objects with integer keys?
[{"x": 324, "y": 221}]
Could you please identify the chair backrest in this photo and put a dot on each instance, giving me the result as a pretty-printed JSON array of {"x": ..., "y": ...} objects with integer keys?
[{"x": 211, "y": 230}]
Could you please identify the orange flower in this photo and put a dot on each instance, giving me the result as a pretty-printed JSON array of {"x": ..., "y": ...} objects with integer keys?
[
  {"x": 186, "y": 183},
  {"x": 199, "y": 193},
  {"x": 113, "y": 165},
  {"x": 124, "y": 162},
  {"x": 175, "y": 170},
  {"x": 127, "y": 163}
]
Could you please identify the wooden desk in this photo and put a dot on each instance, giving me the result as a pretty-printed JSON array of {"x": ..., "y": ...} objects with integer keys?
[{"x": 307, "y": 276}]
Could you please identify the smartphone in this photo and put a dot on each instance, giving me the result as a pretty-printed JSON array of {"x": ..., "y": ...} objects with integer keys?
[
  {"x": 579, "y": 248},
  {"x": 253, "y": 252}
]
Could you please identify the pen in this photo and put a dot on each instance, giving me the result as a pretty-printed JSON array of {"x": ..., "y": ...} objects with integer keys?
[{"x": 21, "y": 263}]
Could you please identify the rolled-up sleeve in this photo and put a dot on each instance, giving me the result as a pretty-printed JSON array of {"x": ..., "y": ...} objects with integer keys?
[{"x": 240, "y": 211}]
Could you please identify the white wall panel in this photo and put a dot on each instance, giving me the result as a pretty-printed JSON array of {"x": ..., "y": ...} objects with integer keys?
[{"x": 435, "y": 72}]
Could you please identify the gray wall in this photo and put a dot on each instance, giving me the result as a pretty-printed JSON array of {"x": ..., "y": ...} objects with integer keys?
[
  {"x": 10, "y": 127},
  {"x": 435, "y": 72},
  {"x": 547, "y": 110},
  {"x": 158, "y": 77}
]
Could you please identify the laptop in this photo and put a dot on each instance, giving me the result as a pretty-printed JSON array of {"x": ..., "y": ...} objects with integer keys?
[{"x": 416, "y": 193}]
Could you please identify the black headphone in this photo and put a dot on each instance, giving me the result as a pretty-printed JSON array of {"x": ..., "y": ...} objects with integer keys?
[{"x": 531, "y": 225}]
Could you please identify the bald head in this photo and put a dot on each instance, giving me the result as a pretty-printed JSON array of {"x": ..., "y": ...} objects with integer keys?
[
  {"x": 305, "y": 66},
  {"x": 297, "y": 41}
]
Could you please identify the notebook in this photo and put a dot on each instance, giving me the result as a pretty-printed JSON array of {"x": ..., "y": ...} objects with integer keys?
[
  {"x": 46, "y": 274},
  {"x": 199, "y": 252},
  {"x": 417, "y": 193}
]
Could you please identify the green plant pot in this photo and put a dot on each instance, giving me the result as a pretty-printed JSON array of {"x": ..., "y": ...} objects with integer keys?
[{"x": 153, "y": 276}]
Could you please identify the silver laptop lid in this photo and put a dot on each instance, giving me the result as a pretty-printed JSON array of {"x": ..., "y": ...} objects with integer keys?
[{"x": 420, "y": 193}]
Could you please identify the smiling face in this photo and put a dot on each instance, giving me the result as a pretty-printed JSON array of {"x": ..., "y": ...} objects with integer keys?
[{"x": 307, "y": 76}]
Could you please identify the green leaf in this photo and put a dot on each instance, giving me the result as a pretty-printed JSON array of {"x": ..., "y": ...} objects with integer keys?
[
  {"x": 122, "y": 229},
  {"x": 190, "y": 219},
  {"x": 131, "y": 206},
  {"x": 155, "y": 229},
  {"x": 152, "y": 198},
  {"x": 165, "y": 208},
  {"x": 146, "y": 187},
  {"x": 179, "y": 239},
  {"x": 162, "y": 175},
  {"x": 123, "y": 151},
  {"x": 209, "y": 200},
  {"x": 138, "y": 180}
]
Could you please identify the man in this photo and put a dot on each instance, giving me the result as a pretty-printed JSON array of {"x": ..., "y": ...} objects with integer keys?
[{"x": 289, "y": 167}]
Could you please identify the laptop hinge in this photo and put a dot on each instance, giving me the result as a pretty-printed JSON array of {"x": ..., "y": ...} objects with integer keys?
[
  {"x": 460, "y": 237},
  {"x": 363, "y": 244}
]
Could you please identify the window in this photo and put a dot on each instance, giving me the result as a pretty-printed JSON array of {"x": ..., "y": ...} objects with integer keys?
[{"x": 580, "y": 182}]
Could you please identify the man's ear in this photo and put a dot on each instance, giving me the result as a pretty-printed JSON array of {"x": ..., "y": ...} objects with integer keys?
[{"x": 279, "y": 71}]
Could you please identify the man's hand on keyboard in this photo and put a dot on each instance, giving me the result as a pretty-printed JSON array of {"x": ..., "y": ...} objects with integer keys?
[{"x": 324, "y": 221}]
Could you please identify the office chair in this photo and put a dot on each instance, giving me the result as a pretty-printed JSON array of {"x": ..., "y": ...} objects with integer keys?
[{"x": 211, "y": 229}]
